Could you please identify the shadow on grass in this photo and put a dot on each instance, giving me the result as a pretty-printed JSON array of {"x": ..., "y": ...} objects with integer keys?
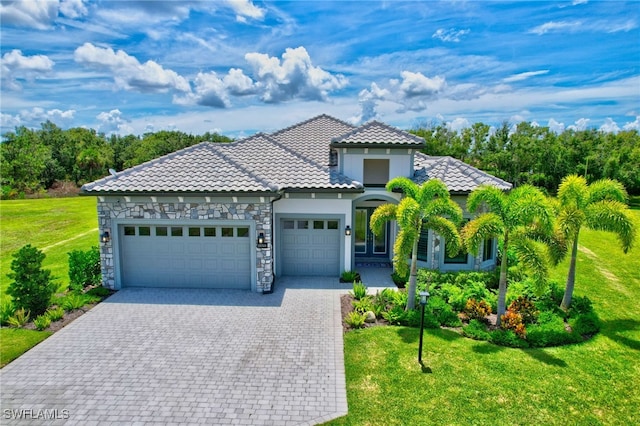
[
  {"x": 613, "y": 328},
  {"x": 411, "y": 335},
  {"x": 545, "y": 357},
  {"x": 486, "y": 348}
]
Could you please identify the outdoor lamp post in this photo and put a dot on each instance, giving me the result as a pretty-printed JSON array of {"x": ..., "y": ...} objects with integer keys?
[{"x": 424, "y": 296}]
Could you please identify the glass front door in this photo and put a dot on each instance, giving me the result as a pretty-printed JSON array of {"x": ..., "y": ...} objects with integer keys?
[{"x": 366, "y": 242}]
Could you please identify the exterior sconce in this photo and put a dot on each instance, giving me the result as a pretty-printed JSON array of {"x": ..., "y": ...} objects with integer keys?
[
  {"x": 347, "y": 231},
  {"x": 105, "y": 237},
  {"x": 261, "y": 241}
]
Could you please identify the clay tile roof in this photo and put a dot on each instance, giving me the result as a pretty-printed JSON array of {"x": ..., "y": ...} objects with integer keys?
[
  {"x": 375, "y": 133},
  {"x": 457, "y": 175}
]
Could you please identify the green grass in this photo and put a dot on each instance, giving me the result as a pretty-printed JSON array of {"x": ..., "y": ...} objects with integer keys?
[
  {"x": 54, "y": 225},
  {"x": 16, "y": 341},
  {"x": 471, "y": 382}
]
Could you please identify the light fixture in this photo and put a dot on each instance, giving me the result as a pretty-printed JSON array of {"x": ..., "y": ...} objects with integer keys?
[
  {"x": 347, "y": 231},
  {"x": 424, "y": 297},
  {"x": 261, "y": 241},
  {"x": 105, "y": 237}
]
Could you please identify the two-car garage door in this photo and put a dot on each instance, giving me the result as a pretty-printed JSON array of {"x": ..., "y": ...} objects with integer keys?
[
  {"x": 190, "y": 256},
  {"x": 310, "y": 247}
]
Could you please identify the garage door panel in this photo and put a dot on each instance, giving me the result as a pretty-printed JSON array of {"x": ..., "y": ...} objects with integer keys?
[
  {"x": 310, "y": 247},
  {"x": 192, "y": 258}
]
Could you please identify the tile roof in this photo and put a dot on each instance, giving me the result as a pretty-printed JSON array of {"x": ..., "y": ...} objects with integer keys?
[
  {"x": 457, "y": 175},
  {"x": 376, "y": 133},
  {"x": 312, "y": 137}
]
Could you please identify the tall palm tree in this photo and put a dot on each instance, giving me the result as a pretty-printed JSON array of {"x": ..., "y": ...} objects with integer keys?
[
  {"x": 599, "y": 206},
  {"x": 427, "y": 205},
  {"x": 518, "y": 218}
]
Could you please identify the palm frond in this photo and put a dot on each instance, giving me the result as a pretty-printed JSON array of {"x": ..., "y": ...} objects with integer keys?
[
  {"x": 573, "y": 191},
  {"x": 402, "y": 252},
  {"x": 607, "y": 189},
  {"x": 533, "y": 258},
  {"x": 408, "y": 213},
  {"x": 408, "y": 187},
  {"x": 569, "y": 221},
  {"x": 612, "y": 216},
  {"x": 528, "y": 205},
  {"x": 381, "y": 215},
  {"x": 488, "y": 195},
  {"x": 554, "y": 242},
  {"x": 487, "y": 225},
  {"x": 430, "y": 191},
  {"x": 443, "y": 207},
  {"x": 448, "y": 230}
]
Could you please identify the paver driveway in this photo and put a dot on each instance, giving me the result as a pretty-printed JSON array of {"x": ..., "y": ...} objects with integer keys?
[{"x": 162, "y": 356}]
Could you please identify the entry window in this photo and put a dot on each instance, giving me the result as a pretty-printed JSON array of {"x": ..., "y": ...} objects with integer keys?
[
  {"x": 144, "y": 231},
  {"x": 375, "y": 172},
  {"x": 129, "y": 230},
  {"x": 243, "y": 232},
  {"x": 487, "y": 252},
  {"x": 227, "y": 232},
  {"x": 209, "y": 232},
  {"x": 161, "y": 231},
  {"x": 318, "y": 224},
  {"x": 332, "y": 224},
  {"x": 194, "y": 232},
  {"x": 176, "y": 231}
]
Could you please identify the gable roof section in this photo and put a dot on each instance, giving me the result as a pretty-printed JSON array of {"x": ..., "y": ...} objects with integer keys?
[
  {"x": 311, "y": 138},
  {"x": 457, "y": 175},
  {"x": 375, "y": 134},
  {"x": 199, "y": 168}
]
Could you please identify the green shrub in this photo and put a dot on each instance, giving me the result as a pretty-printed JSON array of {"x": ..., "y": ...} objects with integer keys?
[
  {"x": 526, "y": 308},
  {"x": 580, "y": 305},
  {"x": 363, "y": 305},
  {"x": 32, "y": 286},
  {"x": 42, "y": 321},
  {"x": 396, "y": 315},
  {"x": 55, "y": 314},
  {"x": 359, "y": 291},
  {"x": 399, "y": 280},
  {"x": 442, "y": 312},
  {"x": 100, "y": 292},
  {"x": 477, "y": 310},
  {"x": 349, "y": 276},
  {"x": 513, "y": 321},
  {"x": 550, "y": 331},
  {"x": 84, "y": 268},
  {"x": 399, "y": 299},
  {"x": 19, "y": 318},
  {"x": 74, "y": 301},
  {"x": 585, "y": 324},
  {"x": 507, "y": 338},
  {"x": 476, "y": 330},
  {"x": 355, "y": 319},
  {"x": 7, "y": 310}
]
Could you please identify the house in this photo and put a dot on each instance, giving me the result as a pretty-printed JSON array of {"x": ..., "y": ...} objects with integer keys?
[{"x": 296, "y": 202}]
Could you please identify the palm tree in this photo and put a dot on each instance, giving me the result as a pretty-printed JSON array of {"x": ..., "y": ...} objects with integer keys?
[
  {"x": 427, "y": 205},
  {"x": 519, "y": 218},
  {"x": 599, "y": 206}
]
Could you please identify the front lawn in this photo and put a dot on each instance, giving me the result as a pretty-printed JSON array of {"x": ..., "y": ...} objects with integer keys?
[
  {"x": 474, "y": 382},
  {"x": 16, "y": 341}
]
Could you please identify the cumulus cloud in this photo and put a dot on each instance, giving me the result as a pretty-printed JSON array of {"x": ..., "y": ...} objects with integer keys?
[
  {"x": 15, "y": 65},
  {"x": 415, "y": 84},
  {"x": 450, "y": 35},
  {"x": 209, "y": 91},
  {"x": 555, "y": 126},
  {"x": 458, "y": 124},
  {"x": 73, "y": 8},
  {"x": 245, "y": 9},
  {"x": 38, "y": 14},
  {"x": 524, "y": 76},
  {"x": 39, "y": 115},
  {"x": 128, "y": 72},
  {"x": 114, "y": 122},
  {"x": 368, "y": 100},
  {"x": 238, "y": 84},
  {"x": 292, "y": 77},
  {"x": 609, "y": 126},
  {"x": 579, "y": 125},
  {"x": 633, "y": 125},
  {"x": 8, "y": 120}
]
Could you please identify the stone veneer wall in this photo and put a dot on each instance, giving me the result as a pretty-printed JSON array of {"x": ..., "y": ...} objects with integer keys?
[{"x": 260, "y": 213}]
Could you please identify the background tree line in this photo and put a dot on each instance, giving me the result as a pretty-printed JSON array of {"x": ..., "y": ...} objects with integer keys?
[
  {"x": 537, "y": 155},
  {"x": 33, "y": 160}
]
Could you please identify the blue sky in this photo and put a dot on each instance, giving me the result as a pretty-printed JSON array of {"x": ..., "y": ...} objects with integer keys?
[{"x": 237, "y": 67}]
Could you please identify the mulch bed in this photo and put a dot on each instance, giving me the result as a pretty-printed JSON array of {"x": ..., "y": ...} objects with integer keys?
[
  {"x": 346, "y": 307},
  {"x": 67, "y": 319}
]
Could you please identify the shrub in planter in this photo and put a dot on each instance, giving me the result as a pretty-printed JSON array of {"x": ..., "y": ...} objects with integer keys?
[
  {"x": 399, "y": 280},
  {"x": 19, "y": 318},
  {"x": 508, "y": 338},
  {"x": 349, "y": 277},
  {"x": 550, "y": 331},
  {"x": 512, "y": 321},
  {"x": 526, "y": 308},
  {"x": 362, "y": 305},
  {"x": 84, "y": 268},
  {"x": 6, "y": 311},
  {"x": 359, "y": 291},
  {"x": 42, "y": 322},
  {"x": 477, "y": 310},
  {"x": 32, "y": 286},
  {"x": 396, "y": 315},
  {"x": 585, "y": 324},
  {"x": 100, "y": 292},
  {"x": 442, "y": 312},
  {"x": 476, "y": 330},
  {"x": 355, "y": 319},
  {"x": 55, "y": 314},
  {"x": 74, "y": 301}
]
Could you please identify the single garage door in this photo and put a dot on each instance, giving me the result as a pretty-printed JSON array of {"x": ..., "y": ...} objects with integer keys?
[
  {"x": 310, "y": 247},
  {"x": 189, "y": 256}
]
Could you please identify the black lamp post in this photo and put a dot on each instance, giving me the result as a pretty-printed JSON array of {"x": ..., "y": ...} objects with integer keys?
[{"x": 424, "y": 296}]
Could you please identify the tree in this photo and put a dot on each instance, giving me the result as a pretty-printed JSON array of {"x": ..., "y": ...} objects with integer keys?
[
  {"x": 428, "y": 205},
  {"x": 31, "y": 288},
  {"x": 517, "y": 218},
  {"x": 599, "y": 206},
  {"x": 24, "y": 159}
]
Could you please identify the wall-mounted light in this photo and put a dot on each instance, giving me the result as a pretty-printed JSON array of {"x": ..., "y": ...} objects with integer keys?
[
  {"x": 262, "y": 242},
  {"x": 105, "y": 237},
  {"x": 347, "y": 231}
]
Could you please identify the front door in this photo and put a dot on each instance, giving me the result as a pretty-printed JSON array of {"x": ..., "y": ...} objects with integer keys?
[{"x": 367, "y": 243}]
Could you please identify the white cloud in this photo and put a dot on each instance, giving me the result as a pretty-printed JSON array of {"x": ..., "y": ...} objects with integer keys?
[
  {"x": 633, "y": 125},
  {"x": 458, "y": 124},
  {"x": 293, "y": 77},
  {"x": 609, "y": 126},
  {"x": 114, "y": 122},
  {"x": 524, "y": 76},
  {"x": 577, "y": 2},
  {"x": 368, "y": 100},
  {"x": 8, "y": 120},
  {"x": 560, "y": 26},
  {"x": 209, "y": 91},
  {"x": 73, "y": 8},
  {"x": 580, "y": 125},
  {"x": 245, "y": 9},
  {"x": 238, "y": 84},
  {"x": 15, "y": 65},
  {"x": 450, "y": 35},
  {"x": 598, "y": 26},
  {"x": 128, "y": 72},
  {"x": 416, "y": 84},
  {"x": 38, "y": 14},
  {"x": 555, "y": 126}
]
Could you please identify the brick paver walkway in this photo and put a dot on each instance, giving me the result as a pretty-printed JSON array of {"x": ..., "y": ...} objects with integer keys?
[{"x": 169, "y": 356}]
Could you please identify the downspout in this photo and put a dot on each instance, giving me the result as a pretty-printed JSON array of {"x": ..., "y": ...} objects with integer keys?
[{"x": 273, "y": 231}]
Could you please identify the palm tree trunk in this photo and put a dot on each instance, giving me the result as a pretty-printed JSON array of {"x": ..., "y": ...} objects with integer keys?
[
  {"x": 413, "y": 277},
  {"x": 502, "y": 284},
  {"x": 571, "y": 277}
]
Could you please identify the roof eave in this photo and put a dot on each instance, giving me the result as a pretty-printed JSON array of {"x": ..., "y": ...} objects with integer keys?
[
  {"x": 375, "y": 145},
  {"x": 178, "y": 193}
]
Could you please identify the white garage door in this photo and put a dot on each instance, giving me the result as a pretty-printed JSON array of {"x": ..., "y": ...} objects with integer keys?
[
  {"x": 191, "y": 256},
  {"x": 310, "y": 247}
]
